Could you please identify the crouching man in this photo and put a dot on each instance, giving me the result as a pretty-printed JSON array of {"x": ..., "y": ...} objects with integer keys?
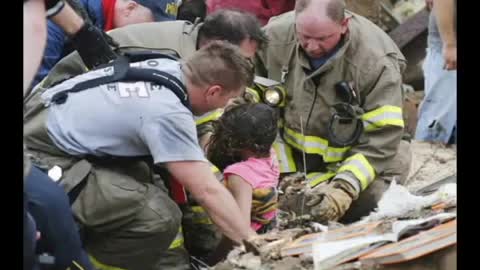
[{"x": 102, "y": 134}]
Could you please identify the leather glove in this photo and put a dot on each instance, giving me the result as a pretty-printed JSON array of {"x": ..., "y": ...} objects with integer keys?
[
  {"x": 329, "y": 202},
  {"x": 93, "y": 45}
]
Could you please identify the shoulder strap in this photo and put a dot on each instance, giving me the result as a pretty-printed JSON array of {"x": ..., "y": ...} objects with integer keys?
[
  {"x": 137, "y": 56},
  {"x": 123, "y": 72}
]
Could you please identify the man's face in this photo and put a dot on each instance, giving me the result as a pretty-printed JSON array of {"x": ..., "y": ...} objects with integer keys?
[
  {"x": 248, "y": 47},
  {"x": 130, "y": 12},
  {"x": 319, "y": 35}
]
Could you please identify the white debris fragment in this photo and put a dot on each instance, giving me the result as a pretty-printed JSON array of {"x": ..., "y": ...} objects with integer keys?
[
  {"x": 398, "y": 201},
  {"x": 55, "y": 173},
  {"x": 317, "y": 227}
]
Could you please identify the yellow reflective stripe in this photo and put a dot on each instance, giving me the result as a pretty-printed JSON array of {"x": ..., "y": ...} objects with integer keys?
[
  {"x": 316, "y": 178},
  {"x": 197, "y": 209},
  {"x": 361, "y": 168},
  {"x": 100, "y": 266},
  {"x": 178, "y": 241},
  {"x": 286, "y": 163},
  {"x": 202, "y": 220},
  {"x": 314, "y": 145},
  {"x": 254, "y": 93},
  {"x": 383, "y": 116},
  {"x": 214, "y": 168},
  {"x": 210, "y": 116},
  {"x": 206, "y": 221}
]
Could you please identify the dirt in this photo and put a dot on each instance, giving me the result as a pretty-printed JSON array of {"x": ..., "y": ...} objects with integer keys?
[{"x": 430, "y": 162}]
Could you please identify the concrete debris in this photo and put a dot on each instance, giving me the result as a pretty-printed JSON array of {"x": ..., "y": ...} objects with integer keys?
[{"x": 431, "y": 162}]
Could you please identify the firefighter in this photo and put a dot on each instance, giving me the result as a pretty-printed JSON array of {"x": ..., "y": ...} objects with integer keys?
[{"x": 340, "y": 98}]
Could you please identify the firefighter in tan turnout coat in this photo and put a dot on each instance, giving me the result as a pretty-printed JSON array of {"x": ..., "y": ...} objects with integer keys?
[{"x": 341, "y": 106}]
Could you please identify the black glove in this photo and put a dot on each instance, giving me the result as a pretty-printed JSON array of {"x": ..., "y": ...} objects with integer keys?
[{"x": 93, "y": 45}]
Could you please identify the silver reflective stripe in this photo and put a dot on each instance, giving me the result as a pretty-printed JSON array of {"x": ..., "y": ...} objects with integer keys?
[
  {"x": 350, "y": 178},
  {"x": 362, "y": 168},
  {"x": 359, "y": 170},
  {"x": 335, "y": 155},
  {"x": 279, "y": 147},
  {"x": 265, "y": 81},
  {"x": 316, "y": 148},
  {"x": 306, "y": 145}
]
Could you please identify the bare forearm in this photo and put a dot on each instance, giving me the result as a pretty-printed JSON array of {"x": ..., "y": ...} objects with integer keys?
[
  {"x": 213, "y": 197},
  {"x": 444, "y": 14},
  {"x": 224, "y": 211}
]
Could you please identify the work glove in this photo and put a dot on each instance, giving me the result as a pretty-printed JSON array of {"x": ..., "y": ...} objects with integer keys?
[
  {"x": 93, "y": 45},
  {"x": 330, "y": 201}
]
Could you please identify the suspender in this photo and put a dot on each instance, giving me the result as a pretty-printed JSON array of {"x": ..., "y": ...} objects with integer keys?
[{"x": 124, "y": 73}]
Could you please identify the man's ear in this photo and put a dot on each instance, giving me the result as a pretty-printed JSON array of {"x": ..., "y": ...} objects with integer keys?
[
  {"x": 214, "y": 90},
  {"x": 344, "y": 24},
  {"x": 131, "y": 6}
]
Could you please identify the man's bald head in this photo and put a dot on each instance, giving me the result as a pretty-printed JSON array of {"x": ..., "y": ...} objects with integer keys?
[
  {"x": 320, "y": 25},
  {"x": 333, "y": 9}
]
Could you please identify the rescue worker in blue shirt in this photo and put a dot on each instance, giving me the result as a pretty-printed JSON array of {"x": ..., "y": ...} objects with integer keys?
[
  {"x": 49, "y": 206},
  {"x": 106, "y": 15}
]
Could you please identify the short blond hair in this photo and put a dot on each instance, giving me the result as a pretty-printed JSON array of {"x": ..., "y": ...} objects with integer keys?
[{"x": 219, "y": 63}]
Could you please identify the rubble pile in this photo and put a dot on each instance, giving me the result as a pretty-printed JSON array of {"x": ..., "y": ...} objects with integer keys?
[
  {"x": 430, "y": 162},
  {"x": 389, "y": 220}
]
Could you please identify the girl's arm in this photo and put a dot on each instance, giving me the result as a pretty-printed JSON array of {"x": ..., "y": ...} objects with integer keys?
[{"x": 242, "y": 193}]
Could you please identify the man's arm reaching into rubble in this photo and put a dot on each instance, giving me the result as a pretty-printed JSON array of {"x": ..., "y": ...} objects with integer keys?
[
  {"x": 444, "y": 11},
  {"x": 197, "y": 178},
  {"x": 376, "y": 147}
]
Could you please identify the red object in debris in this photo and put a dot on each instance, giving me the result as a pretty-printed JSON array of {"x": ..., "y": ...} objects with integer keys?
[
  {"x": 263, "y": 9},
  {"x": 178, "y": 192}
]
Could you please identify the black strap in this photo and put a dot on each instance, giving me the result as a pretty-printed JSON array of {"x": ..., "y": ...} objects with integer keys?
[
  {"x": 138, "y": 56},
  {"x": 123, "y": 72},
  {"x": 160, "y": 78},
  {"x": 120, "y": 67}
]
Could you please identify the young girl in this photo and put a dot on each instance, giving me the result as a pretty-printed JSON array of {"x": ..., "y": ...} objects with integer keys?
[{"x": 241, "y": 148}]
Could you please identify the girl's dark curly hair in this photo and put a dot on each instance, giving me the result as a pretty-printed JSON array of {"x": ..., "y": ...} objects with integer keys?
[{"x": 246, "y": 127}]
